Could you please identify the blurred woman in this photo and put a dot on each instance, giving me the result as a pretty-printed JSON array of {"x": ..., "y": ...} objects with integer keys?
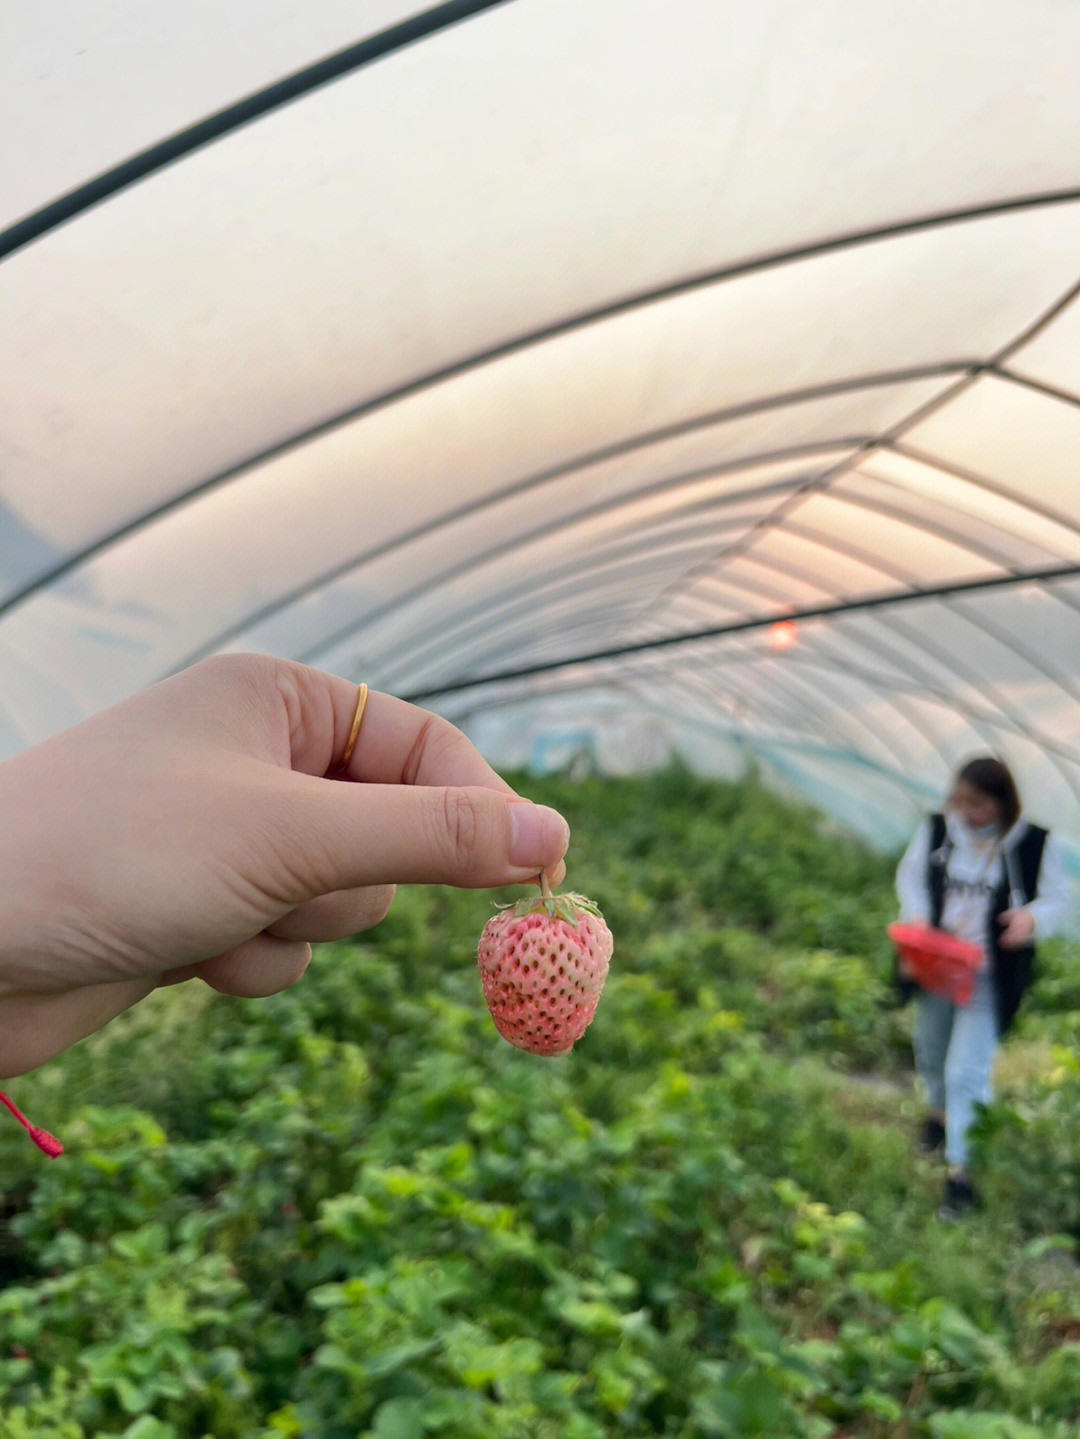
[{"x": 982, "y": 871}]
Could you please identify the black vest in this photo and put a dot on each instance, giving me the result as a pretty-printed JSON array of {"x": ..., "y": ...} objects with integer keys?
[{"x": 1012, "y": 970}]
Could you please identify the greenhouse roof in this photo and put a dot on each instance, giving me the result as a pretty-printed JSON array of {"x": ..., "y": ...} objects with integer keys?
[{"x": 612, "y": 377}]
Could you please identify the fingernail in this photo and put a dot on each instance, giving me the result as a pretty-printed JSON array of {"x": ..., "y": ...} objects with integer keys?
[{"x": 537, "y": 833}]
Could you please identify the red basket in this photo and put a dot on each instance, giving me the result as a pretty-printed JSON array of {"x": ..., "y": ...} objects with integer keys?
[{"x": 936, "y": 961}]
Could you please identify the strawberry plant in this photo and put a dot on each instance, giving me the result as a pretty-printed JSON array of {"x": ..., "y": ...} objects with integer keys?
[{"x": 350, "y": 1210}]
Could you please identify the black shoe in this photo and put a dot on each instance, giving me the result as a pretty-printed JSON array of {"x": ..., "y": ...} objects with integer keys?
[
  {"x": 959, "y": 1198},
  {"x": 931, "y": 1138}
]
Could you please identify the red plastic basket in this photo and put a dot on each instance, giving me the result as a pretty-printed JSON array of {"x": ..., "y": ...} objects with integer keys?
[{"x": 936, "y": 961}]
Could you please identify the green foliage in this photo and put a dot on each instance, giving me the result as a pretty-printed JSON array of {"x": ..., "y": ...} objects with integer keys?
[{"x": 352, "y": 1210}]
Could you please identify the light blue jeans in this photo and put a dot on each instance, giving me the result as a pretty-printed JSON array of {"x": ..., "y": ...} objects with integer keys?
[{"x": 955, "y": 1047}]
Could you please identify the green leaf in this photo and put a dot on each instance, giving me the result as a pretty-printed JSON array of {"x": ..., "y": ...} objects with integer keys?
[
  {"x": 399, "y": 1419},
  {"x": 146, "y": 1427}
]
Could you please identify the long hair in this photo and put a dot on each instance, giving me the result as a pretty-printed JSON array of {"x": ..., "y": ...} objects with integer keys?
[{"x": 993, "y": 778}]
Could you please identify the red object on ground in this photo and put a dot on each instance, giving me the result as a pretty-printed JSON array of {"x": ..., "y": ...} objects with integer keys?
[{"x": 936, "y": 961}]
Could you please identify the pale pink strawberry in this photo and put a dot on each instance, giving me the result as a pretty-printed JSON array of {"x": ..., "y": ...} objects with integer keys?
[{"x": 543, "y": 963}]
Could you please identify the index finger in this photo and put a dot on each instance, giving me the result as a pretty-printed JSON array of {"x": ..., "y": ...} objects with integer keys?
[
  {"x": 398, "y": 743},
  {"x": 401, "y": 743}
]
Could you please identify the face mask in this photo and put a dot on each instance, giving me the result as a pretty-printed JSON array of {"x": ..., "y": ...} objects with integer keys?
[{"x": 960, "y": 828}]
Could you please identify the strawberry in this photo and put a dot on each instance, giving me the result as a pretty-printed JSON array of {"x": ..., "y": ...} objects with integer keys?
[{"x": 543, "y": 963}]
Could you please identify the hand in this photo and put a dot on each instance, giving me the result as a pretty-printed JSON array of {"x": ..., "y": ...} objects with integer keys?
[
  {"x": 199, "y": 829},
  {"x": 1017, "y": 927}
]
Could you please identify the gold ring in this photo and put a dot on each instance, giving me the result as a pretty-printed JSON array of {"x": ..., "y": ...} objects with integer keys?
[{"x": 350, "y": 743}]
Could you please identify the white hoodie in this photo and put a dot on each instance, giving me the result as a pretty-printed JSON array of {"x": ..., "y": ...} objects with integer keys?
[{"x": 974, "y": 872}]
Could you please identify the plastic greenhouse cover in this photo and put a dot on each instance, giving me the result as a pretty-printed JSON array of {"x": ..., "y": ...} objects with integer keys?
[{"x": 537, "y": 359}]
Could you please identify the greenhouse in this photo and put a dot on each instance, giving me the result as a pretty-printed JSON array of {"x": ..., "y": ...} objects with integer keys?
[{"x": 684, "y": 402}]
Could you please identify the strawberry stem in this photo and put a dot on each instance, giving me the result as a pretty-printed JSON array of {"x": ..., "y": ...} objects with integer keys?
[{"x": 545, "y": 888}]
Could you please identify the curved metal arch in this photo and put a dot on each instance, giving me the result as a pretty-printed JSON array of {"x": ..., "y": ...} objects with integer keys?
[
  {"x": 565, "y": 579},
  {"x": 581, "y": 320},
  {"x": 923, "y": 411},
  {"x": 707, "y": 686},
  {"x": 1067, "y": 682},
  {"x": 894, "y": 510},
  {"x": 953, "y": 532},
  {"x": 478, "y": 620},
  {"x": 906, "y": 670},
  {"x": 903, "y": 668},
  {"x": 992, "y": 720},
  {"x": 392, "y": 676},
  {"x": 784, "y": 716},
  {"x": 483, "y": 619},
  {"x": 755, "y": 587},
  {"x": 894, "y": 674},
  {"x": 901, "y": 664},
  {"x": 475, "y": 621},
  {"x": 614, "y": 555},
  {"x": 779, "y": 522},
  {"x": 982, "y": 482},
  {"x": 489, "y": 615},
  {"x": 728, "y": 729},
  {"x": 898, "y": 703},
  {"x": 1070, "y": 687},
  {"x": 233, "y": 117},
  {"x": 990, "y": 691},
  {"x": 565, "y": 469},
  {"x": 706, "y": 689},
  {"x": 980, "y": 685},
  {"x": 987, "y": 727},
  {"x": 805, "y": 696},
  {"x": 482, "y": 615},
  {"x": 629, "y": 682},
  {"x": 498, "y": 616},
  {"x": 1072, "y": 602},
  {"x": 1066, "y": 397},
  {"x": 516, "y": 488},
  {"x": 1016, "y": 723},
  {"x": 905, "y": 665},
  {"x": 563, "y": 621},
  {"x": 625, "y": 680},
  {"x": 426, "y": 586},
  {"x": 806, "y": 612},
  {"x": 504, "y": 546},
  {"x": 754, "y": 705},
  {"x": 895, "y": 701}
]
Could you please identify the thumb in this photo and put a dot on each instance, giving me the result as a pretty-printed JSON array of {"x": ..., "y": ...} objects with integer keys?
[{"x": 346, "y": 835}]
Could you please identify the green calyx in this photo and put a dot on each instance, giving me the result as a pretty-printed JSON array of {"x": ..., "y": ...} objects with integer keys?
[{"x": 557, "y": 906}]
